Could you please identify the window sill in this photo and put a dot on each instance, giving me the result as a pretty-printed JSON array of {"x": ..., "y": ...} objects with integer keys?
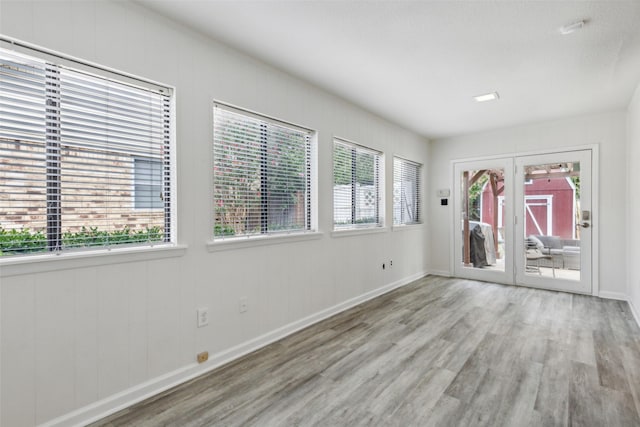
[
  {"x": 358, "y": 231},
  {"x": 29, "y": 264},
  {"x": 251, "y": 241},
  {"x": 407, "y": 227}
]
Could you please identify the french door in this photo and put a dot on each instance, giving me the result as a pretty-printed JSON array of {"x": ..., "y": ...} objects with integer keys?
[
  {"x": 554, "y": 221},
  {"x": 525, "y": 220}
]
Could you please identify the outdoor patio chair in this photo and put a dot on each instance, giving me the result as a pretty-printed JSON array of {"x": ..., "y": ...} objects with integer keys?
[{"x": 534, "y": 254}]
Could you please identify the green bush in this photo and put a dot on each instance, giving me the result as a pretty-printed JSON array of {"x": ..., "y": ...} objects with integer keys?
[
  {"x": 26, "y": 241},
  {"x": 366, "y": 220},
  {"x": 94, "y": 237},
  {"x": 223, "y": 230},
  {"x": 21, "y": 241}
]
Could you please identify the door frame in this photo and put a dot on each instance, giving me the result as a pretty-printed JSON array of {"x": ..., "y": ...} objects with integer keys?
[{"x": 595, "y": 204}]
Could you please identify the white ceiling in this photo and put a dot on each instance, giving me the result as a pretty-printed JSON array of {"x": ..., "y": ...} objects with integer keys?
[{"x": 419, "y": 63}]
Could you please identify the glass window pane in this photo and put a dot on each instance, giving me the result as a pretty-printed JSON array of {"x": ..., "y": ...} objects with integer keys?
[
  {"x": 261, "y": 175},
  {"x": 76, "y": 172},
  {"x": 406, "y": 192},
  {"x": 356, "y": 189}
]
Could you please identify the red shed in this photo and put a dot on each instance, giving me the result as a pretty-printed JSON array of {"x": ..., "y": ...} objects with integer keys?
[{"x": 550, "y": 207}]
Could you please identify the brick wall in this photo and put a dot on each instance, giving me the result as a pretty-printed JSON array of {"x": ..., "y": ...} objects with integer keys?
[{"x": 97, "y": 189}]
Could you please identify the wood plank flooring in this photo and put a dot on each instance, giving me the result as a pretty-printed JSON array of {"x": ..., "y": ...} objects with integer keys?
[{"x": 437, "y": 352}]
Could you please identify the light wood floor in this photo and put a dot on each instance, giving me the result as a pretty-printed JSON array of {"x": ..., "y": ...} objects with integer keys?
[{"x": 438, "y": 352}]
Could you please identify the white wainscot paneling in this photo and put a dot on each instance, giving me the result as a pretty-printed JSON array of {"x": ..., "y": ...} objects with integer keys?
[
  {"x": 18, "y": 346},
  {"x": 55, "y": 353}
]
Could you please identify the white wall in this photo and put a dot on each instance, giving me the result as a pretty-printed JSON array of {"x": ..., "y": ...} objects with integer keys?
[
  {"x": 73, "y": 333},
  {"x": 633, "y": 202},
  {"x": 607, "y": 130}
]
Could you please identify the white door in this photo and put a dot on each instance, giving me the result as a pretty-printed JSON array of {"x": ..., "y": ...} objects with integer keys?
[
  {"x": 483, "y": 198},
  {"x": 553, "y": 219}
]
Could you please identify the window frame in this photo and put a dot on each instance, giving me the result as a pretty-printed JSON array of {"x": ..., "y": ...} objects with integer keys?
[
  {"x": 167, "y": 247},
  {"x": 310, "y": 232},
  {"x": 379, "y": 183},
  {"x": 417, "y": 193}
]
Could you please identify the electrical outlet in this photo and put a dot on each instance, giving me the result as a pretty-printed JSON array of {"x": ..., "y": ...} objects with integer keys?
[
  {"x": 202, "y": 357},
  {"x": 203, "y": 316},
  {"x": 390, "y": 263},
  {"x": 243, "y": 304}
]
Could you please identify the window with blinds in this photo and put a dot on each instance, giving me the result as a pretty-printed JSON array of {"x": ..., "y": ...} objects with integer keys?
[
  {"x": 262, "y": 175},
  {"x": 356, "y": 186},
  {"x": 406, "y": 192},
  {"x": 84, "y": 159}
]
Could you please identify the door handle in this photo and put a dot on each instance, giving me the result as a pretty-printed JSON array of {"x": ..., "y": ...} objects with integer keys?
[{"x": 585, "y": 225}]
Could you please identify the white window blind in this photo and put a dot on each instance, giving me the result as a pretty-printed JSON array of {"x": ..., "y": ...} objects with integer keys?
[
  {"x": 406, "y": 192},
  {"x": 69, "y": 142},
  {"x": 262, "y": 175},
  {"x": 356, "y": 186}
]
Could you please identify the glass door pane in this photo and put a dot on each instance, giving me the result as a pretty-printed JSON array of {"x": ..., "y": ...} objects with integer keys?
[
  {"x": 482, "y": 214},
  {"x": 554, "y": 205},
  {"x": 482, "y": 211},
  {"x": 552, "y": 212}
]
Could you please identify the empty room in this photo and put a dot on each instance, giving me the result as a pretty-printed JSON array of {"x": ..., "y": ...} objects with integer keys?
[{"x": 319, "y": 213}]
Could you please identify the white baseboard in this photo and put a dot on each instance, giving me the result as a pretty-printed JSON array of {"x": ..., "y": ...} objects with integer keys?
[
  {"x": 622, "y": 297},
  {"x": 119, "y": 401},
  {"x": 443, "y": 273},
  {"x": 613, "y": 295},
  {"x": 114, "y": 403}
]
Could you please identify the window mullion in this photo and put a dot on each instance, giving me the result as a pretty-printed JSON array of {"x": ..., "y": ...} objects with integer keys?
[{"x": 53, "y": 160}]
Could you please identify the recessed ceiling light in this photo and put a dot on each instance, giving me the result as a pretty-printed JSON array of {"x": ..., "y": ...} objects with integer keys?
[
  {"x": 571, "y": 28},
  {"x": 487, "y": 97}
]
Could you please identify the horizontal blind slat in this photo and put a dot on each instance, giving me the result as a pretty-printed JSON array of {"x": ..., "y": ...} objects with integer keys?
[{"x": 22, "y": 91}]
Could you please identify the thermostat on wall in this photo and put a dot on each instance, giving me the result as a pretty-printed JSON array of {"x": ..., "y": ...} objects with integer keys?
[{"x": 444, "y": 193}]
